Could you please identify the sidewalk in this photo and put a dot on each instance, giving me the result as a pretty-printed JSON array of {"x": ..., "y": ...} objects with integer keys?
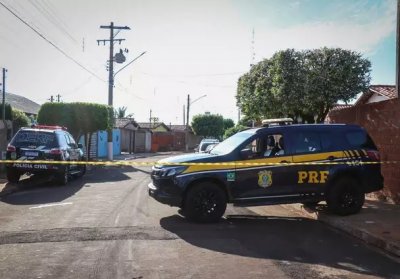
[{"x": 377, "y": 224}]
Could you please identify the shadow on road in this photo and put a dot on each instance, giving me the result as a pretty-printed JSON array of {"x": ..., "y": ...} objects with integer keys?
[
  {"x": 40, "y": 189},
  {"x": 288, "y": 240}
]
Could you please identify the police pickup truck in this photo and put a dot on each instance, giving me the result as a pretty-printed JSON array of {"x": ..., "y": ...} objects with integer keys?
[{"x": 280, "y": 164}]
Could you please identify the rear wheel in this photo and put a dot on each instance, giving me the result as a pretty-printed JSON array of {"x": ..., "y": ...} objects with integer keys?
[
  {"x": 13, "y": 176},
  {"x": 345, "y": 197},
  {"x": 205, "y": 203},
  {"x": 82, "y": 170},
  {"x": 63, "y": 177}
]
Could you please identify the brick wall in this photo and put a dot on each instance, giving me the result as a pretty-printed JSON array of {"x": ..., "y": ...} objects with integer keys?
[{"x": 382, "y": 121}]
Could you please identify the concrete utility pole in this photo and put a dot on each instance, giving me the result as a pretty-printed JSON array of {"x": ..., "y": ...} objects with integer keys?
[
  {"x": 111, "y": 76},
  {"x": 51, "y": 99},
  {"x": 187, "y": 117},
  {"x": 3, "y": 117},
  {"x": 187, "y": 111},
  {"x": 398, "y": 49},
  {"x": 58, "y": 98}
]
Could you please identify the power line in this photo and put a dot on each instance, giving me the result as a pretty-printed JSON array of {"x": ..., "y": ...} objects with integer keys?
[{"x": 51, "y": 43}]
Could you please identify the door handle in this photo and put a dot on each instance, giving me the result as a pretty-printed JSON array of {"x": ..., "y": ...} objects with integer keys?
[
  {"x": 331, "y": 158},
  {"x": 284, "y": 162}
]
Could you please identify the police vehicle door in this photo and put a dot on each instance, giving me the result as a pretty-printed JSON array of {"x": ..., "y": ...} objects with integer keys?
[{"x": 261, "y": 173}]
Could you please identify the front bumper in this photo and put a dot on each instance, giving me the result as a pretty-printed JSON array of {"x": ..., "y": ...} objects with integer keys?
[{"x": 163, "y": 197}]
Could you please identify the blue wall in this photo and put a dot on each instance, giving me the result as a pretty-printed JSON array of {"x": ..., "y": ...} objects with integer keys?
[{"x": 102, "y": 143}]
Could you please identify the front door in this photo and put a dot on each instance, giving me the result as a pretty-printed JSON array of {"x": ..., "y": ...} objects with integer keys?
[{"x": 262, "y": 173}]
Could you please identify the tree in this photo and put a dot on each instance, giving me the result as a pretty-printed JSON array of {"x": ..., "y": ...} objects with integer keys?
[
  {"x": 228, "y": 123},
  {"x": 121, "y": 113},
  {"x": 302, "y": 83},
  {"x": 233, "y": 130},
  {"x": 19, "y": 119},
  {"x": 334, "y": 74},
  {"x": 208, "y": 125},
  {"x": 79, "y": 118}
]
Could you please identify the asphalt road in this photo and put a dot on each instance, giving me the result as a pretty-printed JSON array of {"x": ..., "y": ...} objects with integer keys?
[{"x": 105, "y": 226}]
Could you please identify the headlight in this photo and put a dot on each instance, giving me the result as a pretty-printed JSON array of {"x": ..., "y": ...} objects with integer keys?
[{"x": 171, "y": 171}]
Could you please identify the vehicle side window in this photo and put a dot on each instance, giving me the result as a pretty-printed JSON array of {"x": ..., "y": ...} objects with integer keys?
[
  {"x": 253, "y": 149},
  {"x": 62, "y": 140},
  {"x": 273, "y": 145},
  {"x": 306, "y": 142},
  {"x": 327, "y": 141},
  {"x": 71, "y": 140},
  {"x": 359, "y": 139}
]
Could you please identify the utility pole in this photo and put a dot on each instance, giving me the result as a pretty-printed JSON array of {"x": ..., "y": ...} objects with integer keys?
[
  {"x": 3, "y": 117},
  {"x": 183, "y": 115},
  {"x": 51, "y": 99},
  {"x": 398, "y": 49},
  {"x": 58, "y": 98},
  {"x": 111, "y": 76},
  {"x": 187, "y": 111},
  {"x": 150, "y": 119}
]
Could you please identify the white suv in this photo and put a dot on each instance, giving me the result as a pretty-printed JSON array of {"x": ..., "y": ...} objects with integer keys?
[{"x": 206, "y": 142}]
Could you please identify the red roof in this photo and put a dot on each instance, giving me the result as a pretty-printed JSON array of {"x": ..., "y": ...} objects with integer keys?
[{"x": 388, "y": 91}]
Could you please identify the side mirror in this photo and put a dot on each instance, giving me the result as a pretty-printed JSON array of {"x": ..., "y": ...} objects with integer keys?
[
  {"x": 246, "y": 154},
  {"x": 80, "y": 145}
]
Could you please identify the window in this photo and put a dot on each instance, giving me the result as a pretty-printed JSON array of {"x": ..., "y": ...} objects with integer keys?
[
  {"x": 307, "y": 142},
  {"x": 273, "y": 145},
  {"x": 359, "y": 139}
]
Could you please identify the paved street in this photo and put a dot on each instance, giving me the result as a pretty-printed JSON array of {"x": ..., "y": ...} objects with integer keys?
[{"x": 105, "y": 226}]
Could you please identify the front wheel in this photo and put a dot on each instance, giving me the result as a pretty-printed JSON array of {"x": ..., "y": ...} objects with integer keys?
[
  {"x": 205, "y": 203},
  {"x": 13, "y": 176},
  {"x": 345, "y": 197}
]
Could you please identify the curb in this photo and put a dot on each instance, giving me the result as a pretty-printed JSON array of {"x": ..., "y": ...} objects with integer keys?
[{"x": 389, "y": 247}]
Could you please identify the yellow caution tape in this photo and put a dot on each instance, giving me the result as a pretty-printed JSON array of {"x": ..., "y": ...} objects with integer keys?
[{"x": 231, "y": 164}]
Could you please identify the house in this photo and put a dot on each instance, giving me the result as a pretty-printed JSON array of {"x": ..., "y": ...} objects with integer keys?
[
  {"x": 161, "y": 137},
  {"x": 29, "y": 107},
  {"x": 377, "y": 93},
  {"x": 134, "y": 138},
  {"x": 181, "y": 137}
]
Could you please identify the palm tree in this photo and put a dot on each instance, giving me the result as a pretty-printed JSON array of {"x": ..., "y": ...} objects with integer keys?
[{"x": 120, "y": 112}]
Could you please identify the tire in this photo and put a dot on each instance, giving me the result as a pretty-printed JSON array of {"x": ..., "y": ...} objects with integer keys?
[
  {"x": 62, "y": 178},
  {"x": 13, "y": 176},
  {"x": 82, "y": 170},
  {"x": 204, "y": 203},
  {"x": 345, "y": 197}
]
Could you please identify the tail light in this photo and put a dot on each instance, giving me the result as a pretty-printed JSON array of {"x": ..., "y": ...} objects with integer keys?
[
  {"x": 11, "y": 148},
  {"x": 55, "y": 151},
  {"x": 373, "y": 155}
]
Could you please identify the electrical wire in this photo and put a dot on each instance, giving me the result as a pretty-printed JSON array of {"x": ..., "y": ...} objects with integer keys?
[
  {"x": 52, "y": 19},
  {"x": 51, "y": 43}
]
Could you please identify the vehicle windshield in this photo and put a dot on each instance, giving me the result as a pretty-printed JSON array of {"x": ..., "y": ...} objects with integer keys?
[
  {"x": 34, "y": 139},
  {"x": 231, "y": 143}
]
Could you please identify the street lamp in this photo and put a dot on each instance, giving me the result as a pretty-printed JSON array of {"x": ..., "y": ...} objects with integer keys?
[{"x": 189, "y": 103}]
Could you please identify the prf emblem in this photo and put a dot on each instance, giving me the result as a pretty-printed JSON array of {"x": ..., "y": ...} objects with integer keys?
[
  {"x": 312, "y": 176},
  {"x": 265, "y": 179}
]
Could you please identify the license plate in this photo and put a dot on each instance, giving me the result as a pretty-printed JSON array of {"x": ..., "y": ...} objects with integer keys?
[{"x": 31, "y": 154}]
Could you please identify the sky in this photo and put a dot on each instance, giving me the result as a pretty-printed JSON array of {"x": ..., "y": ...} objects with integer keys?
[{"x": 199, "y": 48}]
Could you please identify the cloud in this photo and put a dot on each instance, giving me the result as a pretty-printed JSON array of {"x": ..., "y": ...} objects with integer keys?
[{"x": 350, "y": 33}]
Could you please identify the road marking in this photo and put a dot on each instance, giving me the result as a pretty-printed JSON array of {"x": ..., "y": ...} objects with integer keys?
[{"x": 50, "y": 205}]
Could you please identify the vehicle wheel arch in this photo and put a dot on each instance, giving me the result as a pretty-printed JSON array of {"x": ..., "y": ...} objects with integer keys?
[
  {"x": 343, "y": 173},
  {"x": 213, "y": 180}
]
